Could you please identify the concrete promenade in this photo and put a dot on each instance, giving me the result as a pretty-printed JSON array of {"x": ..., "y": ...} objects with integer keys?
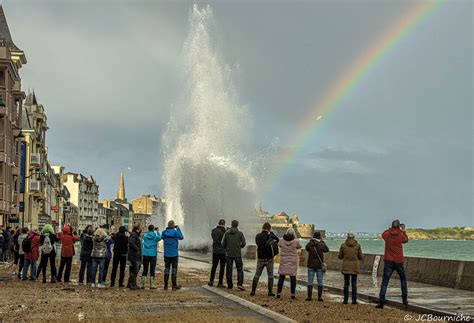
[{"x": 434, "y": 298}]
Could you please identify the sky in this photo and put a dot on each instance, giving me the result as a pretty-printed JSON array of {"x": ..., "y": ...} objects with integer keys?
[{"x": 109, "y": 74}]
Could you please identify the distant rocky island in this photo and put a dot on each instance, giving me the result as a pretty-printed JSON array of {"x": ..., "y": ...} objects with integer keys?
[{"x": 442, "y": 233}]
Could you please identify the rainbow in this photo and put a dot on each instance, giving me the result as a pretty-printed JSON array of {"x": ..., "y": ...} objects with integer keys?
[{"x": 349, "y": 81}]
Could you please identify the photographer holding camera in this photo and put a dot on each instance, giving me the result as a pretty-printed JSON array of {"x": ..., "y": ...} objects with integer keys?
[
  {"x": 394, "y": 238},
  {"x": 171, "y": 237}
]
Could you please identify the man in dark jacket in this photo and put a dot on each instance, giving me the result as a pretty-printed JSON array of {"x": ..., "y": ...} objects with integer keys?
[
  {"x": 85, "y": 255},
  {"x": 120, "y": 256},
  {"x": 6, "y": 243},
  {"x": 267, "y": 249},
  {"x": 218, "y": 253},
  {"x": 233, "y": 242},
  {"x": 316, "y": 248},
  {"x": 394, "y": 238},
  {"x": 134, "y": 255}
]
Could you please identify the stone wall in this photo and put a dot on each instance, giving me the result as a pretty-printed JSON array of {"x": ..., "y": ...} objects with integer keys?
[
  {"x": 440, "y": 272},
  {"x": 457, "y": 274}
]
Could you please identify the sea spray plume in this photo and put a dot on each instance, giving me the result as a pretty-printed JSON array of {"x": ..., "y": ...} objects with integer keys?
[{"x": 206, "y": 177}]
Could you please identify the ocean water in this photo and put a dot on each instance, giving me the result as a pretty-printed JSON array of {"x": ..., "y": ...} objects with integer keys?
[{"x": 441, "y": 249}]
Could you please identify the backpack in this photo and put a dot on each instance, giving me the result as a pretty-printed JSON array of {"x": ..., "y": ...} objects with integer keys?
[
  {"x": 26, "y": 245},
  {"x": 271, "y": 246},
  {"x": 47, "y": 247}
]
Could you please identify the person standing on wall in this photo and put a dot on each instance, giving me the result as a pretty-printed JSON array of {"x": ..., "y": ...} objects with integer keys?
[
  {"x": 393, "y": 259},
  {"x": 350, "y": 253},
  {"x": 218, "y": 253},
  {"x": 233, "y": 242},
  {"x": 171, "y": 237},
  {"x": 267, "y": 249}
]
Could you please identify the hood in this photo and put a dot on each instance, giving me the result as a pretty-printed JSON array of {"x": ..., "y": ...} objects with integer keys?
[
  {"x": 288, "y": 237},
  {"x": 170, "y": 232},
  {"x": 122, "y": 229},
  {"x": 394, "y": 231},
  {"x": 150, "y": 235},
  {"x": 233, "y": 230},
  {"x": 314, "y": 241},
  {"x": 23, "y": 235},
  {"x": 47, "y": 228},
  {"x": 66, "y": 229},
  {"x": 99, "y": 238},
  {"x": 351, "y": 242}
]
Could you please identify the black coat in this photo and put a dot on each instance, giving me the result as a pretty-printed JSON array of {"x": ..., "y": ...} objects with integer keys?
[
  {"x": 312, "y": 247},
  {"x": 217, "y": 234},
  {"x": 263, "y": 252},
  {"x": 86, "y": 246},
  {"x": 120, "y": 243},
  {"x": 134, "y": 247}
]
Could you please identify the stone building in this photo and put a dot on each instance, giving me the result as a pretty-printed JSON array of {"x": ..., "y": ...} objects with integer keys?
[
  {"x": 11, "y": 100},
  {"x": 122, "y": 212},
  {"x": 282, "y": 222},
  {"x": 152, "y": 205},
  {"x": 85, "y": 196}
]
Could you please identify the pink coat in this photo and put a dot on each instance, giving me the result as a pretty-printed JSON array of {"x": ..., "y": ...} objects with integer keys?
[{"x": 289, "y": 256}]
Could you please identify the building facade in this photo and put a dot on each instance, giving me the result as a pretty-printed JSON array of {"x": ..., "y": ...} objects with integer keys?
[
  {"x": 84, "y": 194},
  {"x": 11, "y": 100},
  {"x": 152, "y": 205}
]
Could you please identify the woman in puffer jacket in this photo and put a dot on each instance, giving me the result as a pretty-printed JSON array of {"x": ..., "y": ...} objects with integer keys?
[
  {"x": 289, "y": 246},
  {"x": 67, "y": 238},
  {"x": 99, "y": 252}
]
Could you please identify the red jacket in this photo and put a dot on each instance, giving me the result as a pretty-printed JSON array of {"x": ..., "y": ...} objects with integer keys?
[
  {"x": 35, "y": 243},
  {"x": 67, "y": 242},
  {"x": 394, "y": 238}
]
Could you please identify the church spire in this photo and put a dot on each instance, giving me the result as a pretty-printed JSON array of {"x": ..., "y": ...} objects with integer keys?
[{"x": 121, "y": 191}]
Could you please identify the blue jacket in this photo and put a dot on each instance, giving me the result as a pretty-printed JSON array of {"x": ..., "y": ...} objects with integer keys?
[
  {"x": 170, "y": 238},
  {"x": 150, "y": 242}
]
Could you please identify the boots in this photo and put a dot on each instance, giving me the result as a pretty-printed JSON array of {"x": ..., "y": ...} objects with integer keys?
[
  {"x": 346, "y": 294},
  {"x": 143, "y": 282},
  {"x": 320, "y": 293},
  {"x": 405, "y": 302},
  {"x": 174, "y": 282},
  {"x": 132, "y": 281},
  {"x": 310, "y": 293},
  {"x": 254, "y": 287},
  {"x": 167, "y": 277},
  {"x": 270, "y": 287},
  {"x": 152, "y": 283},
  {"x": 380, "y": 305}
]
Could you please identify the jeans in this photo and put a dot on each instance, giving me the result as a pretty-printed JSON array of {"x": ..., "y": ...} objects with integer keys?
[
  {"x": 98, "y": 262},
  {"x": 29, "y": 264},
  {"x": 388, "y": 269},
  {"x": 20, "y": 266},
  {"x": 122, "y": 260},
  {"x": 281, "y": 280},
  {"x": 86, "y": 265},
  {"x": 216, "y": 260},
  {"x": 149, "y": 262},
  {"x": 135, "y": 266},
  {"x": 65, "y": 262},
  {"x": 352, "y": 280},
  {"x": 1, "y": 254},
  {"x": 240, "y": 271},
  {"x": 44, "y": 264},
  {"x": 261, "y": 264},
  {"x": 319, "y": 276},
  {"x": 106, "y": 269},
  {"x": 171, "y": 263}
]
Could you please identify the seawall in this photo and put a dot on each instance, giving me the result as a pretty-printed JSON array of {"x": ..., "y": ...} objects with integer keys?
[{"x": 457, "y": 274}]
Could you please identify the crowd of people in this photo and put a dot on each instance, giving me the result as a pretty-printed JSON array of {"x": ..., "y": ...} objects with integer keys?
[
  {"x": 99, "y": 248},
  {"x": 227, "y": 245}
]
